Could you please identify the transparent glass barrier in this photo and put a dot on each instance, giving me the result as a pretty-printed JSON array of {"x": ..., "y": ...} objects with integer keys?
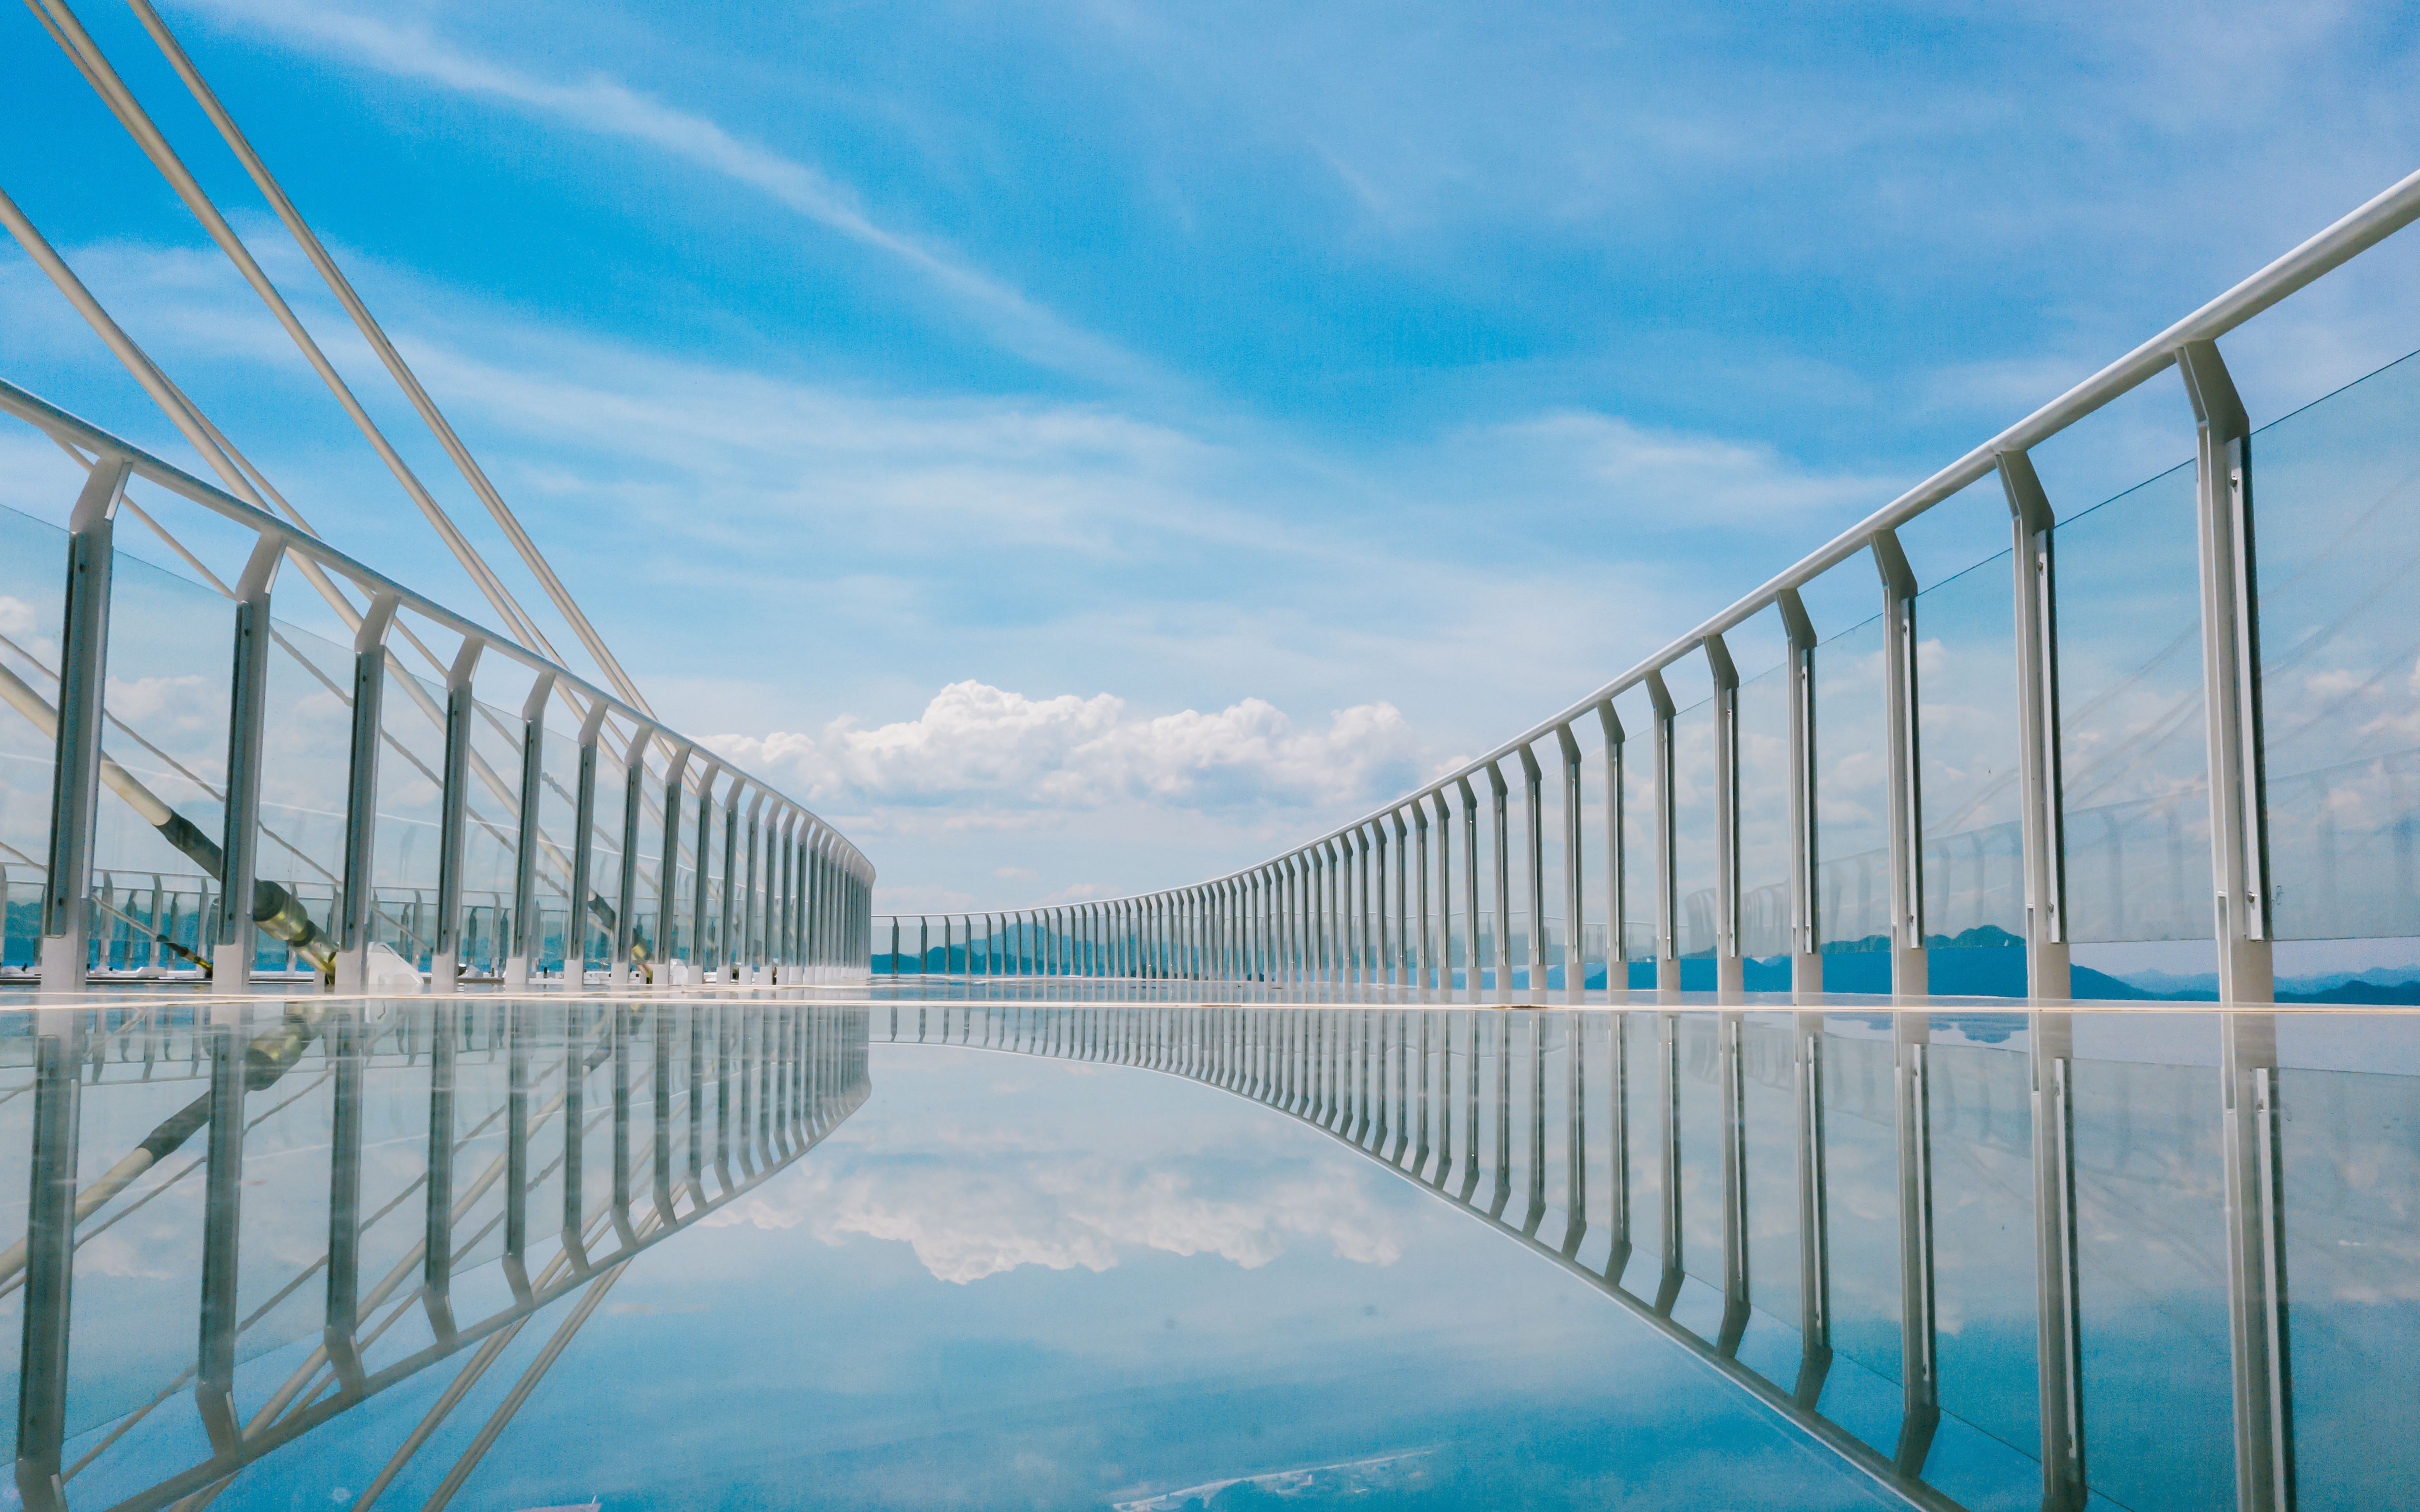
[
  {"x": 491, "y": 830},
  {"x": 411, "y": 811},
  {"x": 2134, "y": 762},
  {"x": 558, "y": 835},
  {"x": 32, "y": 578},
  {"x": 1694, "y": 781},
  {"x": 1638, "y": 844},
  {"x": 647, "y": 922},
  {"x": 2334, "y": 491},
  {"x": 601, "y": 910},
  {"x": 1851, "y": 806},
  {"x": 307, "y": 769},
  {"x": 1973, "y": 849},
  {"x": 164, "y": 724},
  {"x": 1764, "y": 846}
]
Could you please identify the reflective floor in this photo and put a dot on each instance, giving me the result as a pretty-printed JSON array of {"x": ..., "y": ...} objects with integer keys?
[{"x": 769, "y": 1254}]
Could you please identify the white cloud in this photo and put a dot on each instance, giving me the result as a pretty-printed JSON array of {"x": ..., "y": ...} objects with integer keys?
[{"x": 975, "y": 740}]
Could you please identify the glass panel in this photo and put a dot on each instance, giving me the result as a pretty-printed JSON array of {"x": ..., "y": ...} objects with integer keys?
[
  {"x": 2351, "y": 1188},
  {"x": 1638, "y": 799},
  {"x": 1978, "y": 1102},
  {"x": 1966, "y": 709},
  {"x": 558, "y": 827},
  {"x": 1861, "y": 1190},
  {"x": 491, "y": 827},
  {"x": 2134, "y": 762},
  {"x": 646, "y": 922},
  {"x": 602, "y": 906},
  {"x": 1852, "y": 802},
  {"x": 2334, "y": 490},
  {"x": 166, "y": 725},
  {"x": 306, "y": 765},
  {"x": 1764, "y": 828},
  {"x": 2151, "y": 1284},
  {"x": 1693, "y": 831},
  {"x": 33, "y": 579},
  {"x": 410, "y": 808}
]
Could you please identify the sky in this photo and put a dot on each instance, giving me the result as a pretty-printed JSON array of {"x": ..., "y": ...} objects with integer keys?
[{"x": 1087, "y": 447}]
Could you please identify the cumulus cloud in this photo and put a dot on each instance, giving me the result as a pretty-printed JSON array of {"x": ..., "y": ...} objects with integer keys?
[{"x": 1068, "y": 751}]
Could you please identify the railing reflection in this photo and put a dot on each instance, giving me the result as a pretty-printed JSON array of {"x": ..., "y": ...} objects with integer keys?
[
  {"x": 1947, "y": 1247},
  {"x": 424, "y": 1179}
]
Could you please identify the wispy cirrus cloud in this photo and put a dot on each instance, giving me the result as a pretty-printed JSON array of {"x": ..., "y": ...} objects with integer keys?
[{"x": 607, "y": 106}]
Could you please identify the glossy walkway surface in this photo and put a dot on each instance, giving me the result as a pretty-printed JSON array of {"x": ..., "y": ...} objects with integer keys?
[{"x": 1017, "y": 1254}]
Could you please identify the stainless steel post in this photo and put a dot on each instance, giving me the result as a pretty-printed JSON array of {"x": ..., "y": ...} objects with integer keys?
[
  {"x": 1805, "y": 962},
  {"x": 2040, "y": 804},
  {"x": 1903, "y": 768},
  {"x": 1667, "y": 902},
  {"x": 576, "y": 958},
  {"x": 1500, "y": 831},
  {"x": 233, "y": 941},
  {"x": 1534, "y": 858},
  {"x": 527, "y": 934},
  {"x": 76, "y": 784},
  {"x": 1730, "y": 969},
  {"x": 454, "y": 799},
  {"x": 360, "y": 792},
  {"x": 1617, "y": 948},
  {"x": 1576, "y": 930},
  {"x": 2230, "y": 615}
]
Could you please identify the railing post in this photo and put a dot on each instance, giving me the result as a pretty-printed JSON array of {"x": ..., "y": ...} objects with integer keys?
[
  {"x": 702, "y": 961},
  {"x": 1617, "y": 949},
  {"x": 1805, "y": 962},
  {"x": 584, "y": 851},
  {"x": 2259, "y": 1349},
  {"x": 1903, "y": 769},
  {"x": 734, "y": 953},
  {"x": 1421, "y": 944},
  {"x": 75, "y": 787},
  {"x": 526, "y": 934},
  {"x": 360, "y": 792},
  {"x": 453, "y": 800},
  {"x": 2059, "y": 1356},
  {"x": 2040, "y": 801},
  {"x": 668, "y": 876},
  {"x": 625, "y": 891},
  {"x": 233, "y": 941},
  {"x": 1667, "y": 902},
  {"x": 1472, "y": 971},
  {"x": 2230, "y": 651},
  {"x": 1534, "y": 845},
  {"x": 1499, "y": 815},
  {"x": 1730, "y": 969},
  {"x": 1399, "y": 964},
  {"x": 1377, "y": 971},
  {"x": 1576, "y": 926}
]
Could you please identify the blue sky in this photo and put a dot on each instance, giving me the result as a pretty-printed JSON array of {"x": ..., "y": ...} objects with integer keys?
[{"x": 1083, "y": 446}]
